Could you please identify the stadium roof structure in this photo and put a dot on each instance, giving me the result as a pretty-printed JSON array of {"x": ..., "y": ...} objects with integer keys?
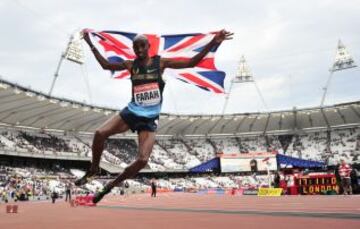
[{"x": 25, "y": 108}]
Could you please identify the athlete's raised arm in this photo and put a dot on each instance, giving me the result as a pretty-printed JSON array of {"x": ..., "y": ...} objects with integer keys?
[
  {"x": 192, "y": 62},
  {"x": 105, "y": 64}
]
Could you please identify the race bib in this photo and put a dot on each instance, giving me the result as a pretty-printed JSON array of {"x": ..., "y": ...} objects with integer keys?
[{"x": 147, "y": 94}]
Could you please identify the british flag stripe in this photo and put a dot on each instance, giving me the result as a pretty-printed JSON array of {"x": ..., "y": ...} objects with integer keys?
[{"x": 200, "y": 80}]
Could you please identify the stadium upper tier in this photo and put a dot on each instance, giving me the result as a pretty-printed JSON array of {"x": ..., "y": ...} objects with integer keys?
[{"x": 24, "y": 107}]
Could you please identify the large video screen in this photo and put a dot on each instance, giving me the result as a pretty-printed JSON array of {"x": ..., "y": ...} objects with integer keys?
[{"x": 251, "y": 162}]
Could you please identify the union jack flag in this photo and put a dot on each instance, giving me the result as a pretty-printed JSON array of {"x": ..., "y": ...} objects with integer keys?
[{"x": 116, "y": 47}]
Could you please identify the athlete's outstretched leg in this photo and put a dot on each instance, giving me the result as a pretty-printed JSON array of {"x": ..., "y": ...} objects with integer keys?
[
  {"x": 112, "y": 126},
  {"x": 146, "y": 143}
]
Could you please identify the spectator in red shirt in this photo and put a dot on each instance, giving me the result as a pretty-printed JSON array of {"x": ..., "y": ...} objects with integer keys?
[{"x": 344, "y": 172}]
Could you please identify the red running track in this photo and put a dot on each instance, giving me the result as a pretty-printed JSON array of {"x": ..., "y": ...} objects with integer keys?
[{"x": 178, "y": 210}]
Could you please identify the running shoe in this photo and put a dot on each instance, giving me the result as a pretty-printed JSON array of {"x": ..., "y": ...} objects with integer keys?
[
  {"x": 89, "y": 176},
  {"x": 99, "y": 195}
]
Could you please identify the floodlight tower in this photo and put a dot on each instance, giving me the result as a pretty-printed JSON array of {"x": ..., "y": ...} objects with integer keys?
[
  {"x": 73, "y": 52},
  {"x": 243, "y": 75},
  {"x": 343, "y": 60}
]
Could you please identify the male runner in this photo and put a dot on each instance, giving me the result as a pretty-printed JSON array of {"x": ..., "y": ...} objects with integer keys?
[
  {"x": 142, "y": 113},
  {"x": 153, "y": 188}
]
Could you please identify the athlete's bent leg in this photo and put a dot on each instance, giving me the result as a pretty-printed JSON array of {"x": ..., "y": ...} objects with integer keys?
[
  {"x": 112, "y": 126},
  {"x": 146, "y": 143}
]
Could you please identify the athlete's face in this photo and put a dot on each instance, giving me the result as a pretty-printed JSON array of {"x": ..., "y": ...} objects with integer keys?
[{"x": 141, "y": 48}]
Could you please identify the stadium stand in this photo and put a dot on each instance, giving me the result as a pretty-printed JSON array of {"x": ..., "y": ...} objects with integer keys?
[
  {"x": 184, "y": 141},
  {"x": 330, "y": 146}
]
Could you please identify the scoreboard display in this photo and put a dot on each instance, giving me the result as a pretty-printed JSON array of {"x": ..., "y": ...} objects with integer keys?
[{"x": 317, "y": 184}]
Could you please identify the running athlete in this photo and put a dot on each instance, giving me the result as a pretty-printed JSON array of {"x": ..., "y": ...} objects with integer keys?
[{"x": 142, "y": 113}]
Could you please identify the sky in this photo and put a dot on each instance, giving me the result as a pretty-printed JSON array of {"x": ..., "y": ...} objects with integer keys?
[{"x": 289, "y": 46}]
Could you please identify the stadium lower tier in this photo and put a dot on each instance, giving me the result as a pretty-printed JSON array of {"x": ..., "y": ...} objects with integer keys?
[{"x": 182, "y": 154}]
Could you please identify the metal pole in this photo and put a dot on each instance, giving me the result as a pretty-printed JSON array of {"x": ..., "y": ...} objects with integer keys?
[
  {"x": 86, "y": 79},
  {"x": 56, "y": 73},
  {"x": 326, "y": 89},
  {"x": 261, "y": 97},
  {"x": 227, "y": 98}
]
